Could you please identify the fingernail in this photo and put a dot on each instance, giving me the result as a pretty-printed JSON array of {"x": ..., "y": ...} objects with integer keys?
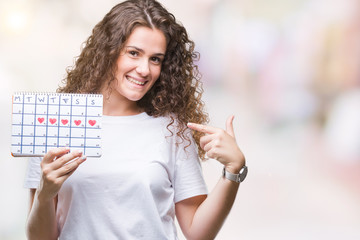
[{"x": 189, "y": 124}]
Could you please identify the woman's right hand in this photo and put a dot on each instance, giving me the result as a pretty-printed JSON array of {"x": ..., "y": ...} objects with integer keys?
[{"x": 57, "y": 165}]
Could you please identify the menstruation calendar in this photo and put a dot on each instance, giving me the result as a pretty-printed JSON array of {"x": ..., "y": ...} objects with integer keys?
[{"x": 42, "y": 121}]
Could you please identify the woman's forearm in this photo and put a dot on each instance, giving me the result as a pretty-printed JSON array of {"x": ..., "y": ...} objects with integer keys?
[
  {"x": 211, "y": 214},
  {"x": 221, "y": 145},
  {"x": 41, "y": 224},
  {"x": 57, "y": 166}
]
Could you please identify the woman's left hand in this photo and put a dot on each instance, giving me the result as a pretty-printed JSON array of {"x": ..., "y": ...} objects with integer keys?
[{"x": 221, "y": 145}]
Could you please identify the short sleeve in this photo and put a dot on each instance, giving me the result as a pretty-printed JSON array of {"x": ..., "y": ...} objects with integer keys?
[
  {"x": 33, "y": 173},
  {"x": 188, "y": 178}
]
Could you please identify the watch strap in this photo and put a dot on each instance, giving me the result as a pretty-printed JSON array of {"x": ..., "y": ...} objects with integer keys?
[{"x": 236, "y": 177}]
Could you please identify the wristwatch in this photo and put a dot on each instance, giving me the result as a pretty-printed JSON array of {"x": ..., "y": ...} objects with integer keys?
[{"x": 236, "y": 177}]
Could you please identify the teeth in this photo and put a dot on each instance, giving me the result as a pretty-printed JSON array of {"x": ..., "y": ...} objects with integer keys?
[{"x": 135, "y": 81}]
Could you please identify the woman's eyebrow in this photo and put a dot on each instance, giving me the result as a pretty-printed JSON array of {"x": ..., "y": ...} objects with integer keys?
[{"x": 142, "y": 51}]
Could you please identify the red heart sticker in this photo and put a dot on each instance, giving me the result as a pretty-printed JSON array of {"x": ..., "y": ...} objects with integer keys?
[
  {"x": 52, "y": 120},
  {"x": 64, "y": 121},
  {"x": 41, "y": 120},
  {"x": 77, "y": 122},
  {"x": 92, "y": 122}
]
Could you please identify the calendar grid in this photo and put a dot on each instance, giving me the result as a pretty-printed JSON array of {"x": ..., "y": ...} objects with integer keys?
[
  {"x": 47, "y": 117},
  {"x": 86, "y": 101},
  {"x": 43, "y": 121},
  {"x": 70, "y": 118},
  {"x": 23, "y": 101},
  {"x": 34, "y": 126},
  {"x": 58, "y": 132}
]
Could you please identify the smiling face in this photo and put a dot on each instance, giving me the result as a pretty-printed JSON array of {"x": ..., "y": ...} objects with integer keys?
[{"x": 138, "y": 66}]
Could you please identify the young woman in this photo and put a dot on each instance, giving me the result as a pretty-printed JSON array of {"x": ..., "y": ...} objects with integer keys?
[{"x": 153, "y": 134}]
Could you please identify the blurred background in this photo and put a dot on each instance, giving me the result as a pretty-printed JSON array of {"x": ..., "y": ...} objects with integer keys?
[{"x": 289, "y": 70}]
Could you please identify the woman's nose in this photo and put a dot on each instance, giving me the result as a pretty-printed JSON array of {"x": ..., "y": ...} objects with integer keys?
[{"x": 143, "y": 67}]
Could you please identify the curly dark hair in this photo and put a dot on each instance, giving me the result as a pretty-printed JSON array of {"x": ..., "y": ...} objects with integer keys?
[{"x": 177, "y": 93}]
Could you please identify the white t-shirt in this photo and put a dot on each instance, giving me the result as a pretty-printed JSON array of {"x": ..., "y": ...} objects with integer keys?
[{"x": 131, "y": 190}]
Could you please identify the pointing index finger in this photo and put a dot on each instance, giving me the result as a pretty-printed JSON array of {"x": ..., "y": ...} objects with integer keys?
[{"x": 201, "y": 128}]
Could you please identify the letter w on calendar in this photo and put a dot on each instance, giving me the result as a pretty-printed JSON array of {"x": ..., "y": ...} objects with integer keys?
[{"x": 42, "y": 121}]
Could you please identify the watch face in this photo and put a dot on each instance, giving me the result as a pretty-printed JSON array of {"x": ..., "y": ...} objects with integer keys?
[{"x": 243, "y": 173}]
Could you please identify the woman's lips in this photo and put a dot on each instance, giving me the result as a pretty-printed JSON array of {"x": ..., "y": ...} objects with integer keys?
[{"x": 135, "y": 81}]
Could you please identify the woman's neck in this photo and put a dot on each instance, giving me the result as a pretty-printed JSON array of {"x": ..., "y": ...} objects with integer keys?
[
  {"x": 117, "y": 105},
  {"x": 119, "y": 110}
]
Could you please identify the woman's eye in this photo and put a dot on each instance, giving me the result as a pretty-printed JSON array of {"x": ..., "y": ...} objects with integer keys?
[
  {"x": 156, "y": 60},
  {"x": 133, "y": 53}
]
